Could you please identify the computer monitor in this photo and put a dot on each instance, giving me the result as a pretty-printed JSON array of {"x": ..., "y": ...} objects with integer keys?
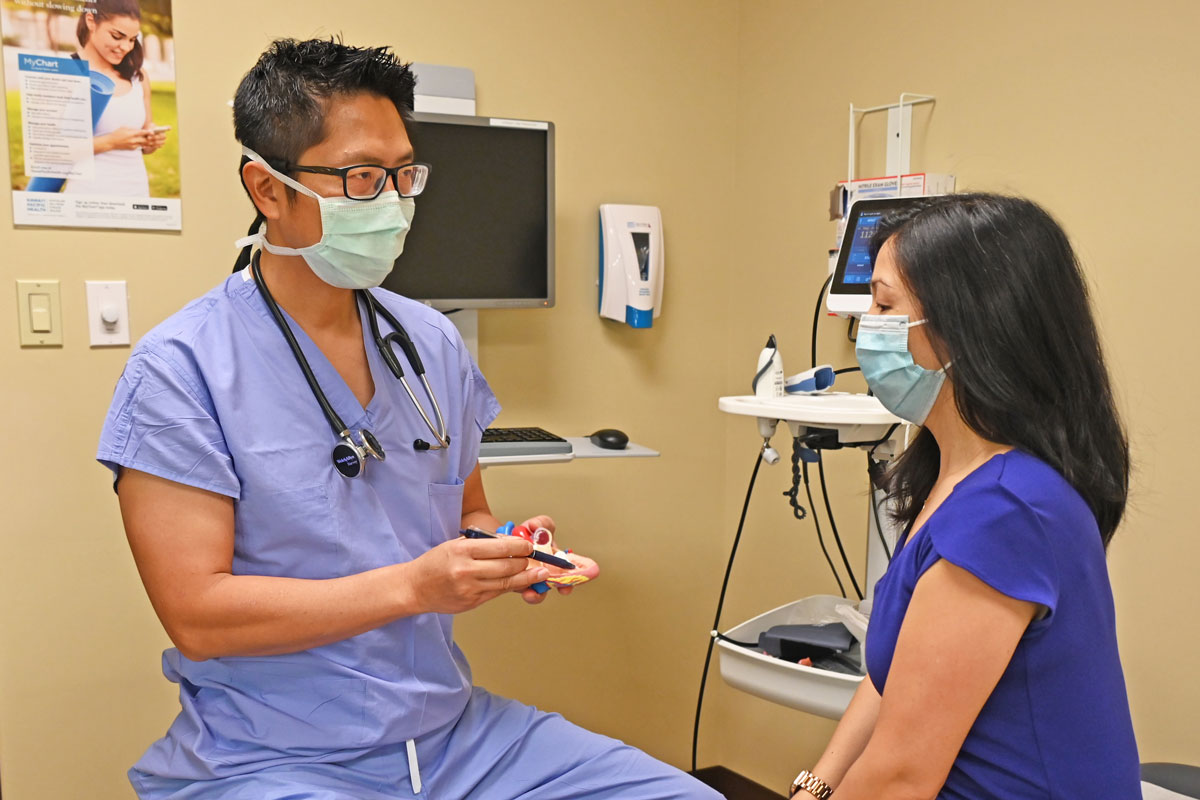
[
  {"x": 850, "y": 289},
  {"x": 483, "y": 234}
]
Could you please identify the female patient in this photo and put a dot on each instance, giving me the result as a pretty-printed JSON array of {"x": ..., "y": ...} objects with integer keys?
[{"x": 992, "y": 650}]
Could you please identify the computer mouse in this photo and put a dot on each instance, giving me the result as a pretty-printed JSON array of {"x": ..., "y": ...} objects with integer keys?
[{"x": 609, "y": 439}]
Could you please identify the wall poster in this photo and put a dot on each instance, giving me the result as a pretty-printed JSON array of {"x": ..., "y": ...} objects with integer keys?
[{"x": 92, "y": 122}]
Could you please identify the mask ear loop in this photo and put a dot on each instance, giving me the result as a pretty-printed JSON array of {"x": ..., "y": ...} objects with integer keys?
[
  {"x": 247, "y": 251},
  {"x": 945, "y": 366},
  {"x": 386, "y": 346},
  {"x": 279, "y": 176}
]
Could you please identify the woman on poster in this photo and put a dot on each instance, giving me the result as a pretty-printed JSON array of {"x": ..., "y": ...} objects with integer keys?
[{"x": 108, "y": 35}]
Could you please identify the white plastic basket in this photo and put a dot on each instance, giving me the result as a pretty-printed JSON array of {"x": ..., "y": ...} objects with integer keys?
[{"x": 817, "y": 691}]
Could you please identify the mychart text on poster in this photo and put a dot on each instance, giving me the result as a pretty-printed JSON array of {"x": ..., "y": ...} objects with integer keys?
[
  {"x": 56, "y": 117},
  {"x": 92, "y": 119}
]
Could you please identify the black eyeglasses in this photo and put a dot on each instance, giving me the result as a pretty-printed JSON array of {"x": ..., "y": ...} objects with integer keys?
[{"x": 367, "y": 181}]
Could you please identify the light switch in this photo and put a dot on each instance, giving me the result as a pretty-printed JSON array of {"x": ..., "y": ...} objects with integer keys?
[
  {"x": 39, "y": 314},
  {"x": 108, "y": 313}
]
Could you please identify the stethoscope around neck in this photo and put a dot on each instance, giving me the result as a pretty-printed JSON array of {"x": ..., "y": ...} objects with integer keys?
[{"x": 350, "y": 456}]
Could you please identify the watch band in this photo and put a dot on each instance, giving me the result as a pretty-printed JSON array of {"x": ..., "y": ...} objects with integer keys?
[{"x": 811, "y": 784}]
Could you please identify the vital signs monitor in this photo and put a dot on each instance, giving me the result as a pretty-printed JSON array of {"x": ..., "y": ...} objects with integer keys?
[{"x": 850, "y": 289}]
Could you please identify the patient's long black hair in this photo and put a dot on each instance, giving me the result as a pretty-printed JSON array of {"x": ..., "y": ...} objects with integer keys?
[{"x": 1007, "y": 304}]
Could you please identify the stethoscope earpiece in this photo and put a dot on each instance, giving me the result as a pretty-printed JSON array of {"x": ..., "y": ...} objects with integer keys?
[{"x": 422, "y": 445}]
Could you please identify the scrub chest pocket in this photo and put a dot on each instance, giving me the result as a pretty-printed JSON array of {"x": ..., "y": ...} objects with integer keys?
[{"x": 445, "y": 511}]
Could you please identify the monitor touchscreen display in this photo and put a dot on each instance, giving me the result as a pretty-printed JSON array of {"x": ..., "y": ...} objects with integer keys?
[
  {"x": 852, "y": 275},
  {"x": 858, "y": 262}
]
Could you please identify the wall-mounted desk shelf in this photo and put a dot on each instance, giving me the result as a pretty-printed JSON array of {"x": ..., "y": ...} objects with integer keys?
[{"x": 581, "y": 447}]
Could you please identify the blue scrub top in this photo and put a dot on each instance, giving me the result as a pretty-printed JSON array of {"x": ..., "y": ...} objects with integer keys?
[
  {"x": 1058, "y": 723},
  {"x": 213, "y": 398}
]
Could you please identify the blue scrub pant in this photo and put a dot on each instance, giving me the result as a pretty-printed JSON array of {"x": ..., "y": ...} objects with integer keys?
[{"x": 497, "y": 750}]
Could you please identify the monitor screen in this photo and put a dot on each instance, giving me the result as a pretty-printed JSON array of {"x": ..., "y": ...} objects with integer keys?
[
  {"x": 853, "y": 272},
  {"x": 850, "y": 289},
  {"x": 483, "y": 233},
  {"x": 858, "y": 260}
]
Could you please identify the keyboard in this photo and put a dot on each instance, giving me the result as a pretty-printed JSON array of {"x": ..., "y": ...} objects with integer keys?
[{"x": 501, "y": 442}]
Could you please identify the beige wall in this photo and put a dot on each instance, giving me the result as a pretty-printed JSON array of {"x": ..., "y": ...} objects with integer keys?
[
  {"x": 655, "y": 102},
  {"x": 1085, "y": 107}
]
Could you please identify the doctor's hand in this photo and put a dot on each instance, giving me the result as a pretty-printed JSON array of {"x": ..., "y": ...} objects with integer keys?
[
  {"x": 464, "y": 573},
  {"x": 527, "y": 594}
]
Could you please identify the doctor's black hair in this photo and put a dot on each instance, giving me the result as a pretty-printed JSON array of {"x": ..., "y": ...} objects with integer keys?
[
  {"x": 1007, "y": 306},
  {"x": 280, "y": 106}
]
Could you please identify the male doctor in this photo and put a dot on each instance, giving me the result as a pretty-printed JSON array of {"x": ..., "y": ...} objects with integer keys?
[{"x": 310, "y": 602}]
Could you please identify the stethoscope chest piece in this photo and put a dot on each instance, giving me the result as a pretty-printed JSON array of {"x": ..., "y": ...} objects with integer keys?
[
  {"x": 372, "y": 445},
  {"x": 350, "y": 458}
]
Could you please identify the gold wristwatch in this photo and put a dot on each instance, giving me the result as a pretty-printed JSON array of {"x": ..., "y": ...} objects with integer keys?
[{"x": 811, "y": 784}]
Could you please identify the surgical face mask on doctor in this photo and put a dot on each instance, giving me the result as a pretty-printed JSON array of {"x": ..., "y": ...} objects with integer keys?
[
  {"x": 905, "y": 388},
  {"x": 360, "y": 239}
]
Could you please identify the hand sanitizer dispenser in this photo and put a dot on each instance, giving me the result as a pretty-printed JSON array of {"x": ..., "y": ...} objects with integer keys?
[{"x": 631, "y": 264}]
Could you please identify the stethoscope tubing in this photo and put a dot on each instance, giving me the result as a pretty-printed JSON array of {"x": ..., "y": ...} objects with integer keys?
[
  {"x": 335, "y": 421},
  {"x": 383, "y": 343}
]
